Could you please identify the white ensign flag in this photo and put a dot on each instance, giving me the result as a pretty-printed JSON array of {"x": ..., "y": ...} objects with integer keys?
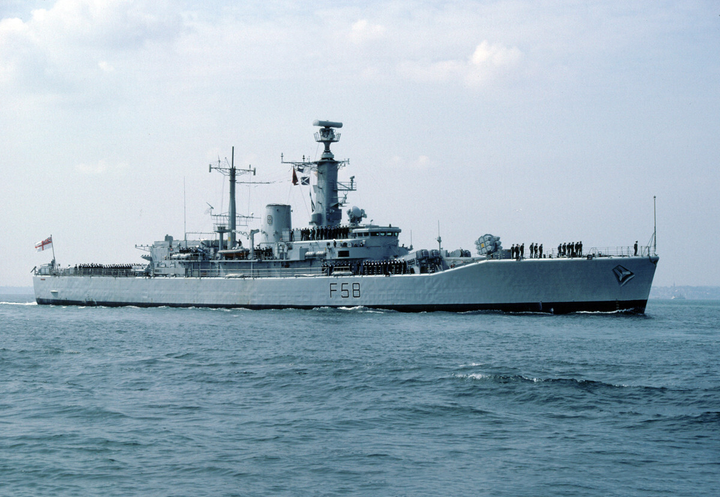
[{"x": 45, "y": 244}]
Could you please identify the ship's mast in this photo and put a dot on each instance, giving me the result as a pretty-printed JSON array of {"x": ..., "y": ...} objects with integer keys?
[
  {"x": 327, "y": 205},
  {"x": 327, "y": 208},
  {"x": 233, "y": 220},
  {"x": 232, "y": 172},
  {"x": 654, "y": 225}
]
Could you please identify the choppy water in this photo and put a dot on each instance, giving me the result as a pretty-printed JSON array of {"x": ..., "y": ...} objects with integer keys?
[{"x": 127, "y": 401}]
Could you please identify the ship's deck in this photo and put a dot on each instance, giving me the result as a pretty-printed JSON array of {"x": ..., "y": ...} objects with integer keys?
[{"x": 272, "y": 268}]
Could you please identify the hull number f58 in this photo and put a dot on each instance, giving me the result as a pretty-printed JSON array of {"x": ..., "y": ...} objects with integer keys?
[{"x": 345, "y": 290}]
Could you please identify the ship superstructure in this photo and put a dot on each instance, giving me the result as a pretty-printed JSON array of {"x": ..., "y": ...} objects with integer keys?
[{"x": 335, "y": 264}]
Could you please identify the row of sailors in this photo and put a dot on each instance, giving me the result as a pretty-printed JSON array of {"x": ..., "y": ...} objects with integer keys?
[
  {"x": 518, "y": 251},
  {"x": 573, "y": 249},
  {"x": 368, "y": 268},
  {"x": 323, "y": 233},
  {"x": 536, "y": 250},
  {"x": 385, "y": 267},
  {"x": 103, "y": 266}
]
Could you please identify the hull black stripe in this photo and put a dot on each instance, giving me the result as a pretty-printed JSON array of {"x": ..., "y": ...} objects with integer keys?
[{"x": 549, "y": 307}]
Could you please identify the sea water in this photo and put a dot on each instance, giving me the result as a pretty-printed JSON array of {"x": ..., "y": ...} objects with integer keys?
[{"x": 165, "y": 401}]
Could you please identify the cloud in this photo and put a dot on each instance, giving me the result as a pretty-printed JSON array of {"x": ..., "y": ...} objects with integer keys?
[
  {"x": 61, "y": 48},
  {"x": 362, "y": 31},
  {"x": 108, "y": 24},
  {"x": 488, "y": 61},
  {"x": 495, "y": 55},
  {"x": 16, "y": 45},
  {"x": 95, "y": 48}
]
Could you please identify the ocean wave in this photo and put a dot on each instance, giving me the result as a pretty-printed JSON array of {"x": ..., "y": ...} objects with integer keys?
[
  {"x": 577, "y": 383},
  {"x": 360, "y": 309},
  {"x": 365, "y": 310},
  {"x": 498, "y": 378},
  {"x": 706, "y": 421}
]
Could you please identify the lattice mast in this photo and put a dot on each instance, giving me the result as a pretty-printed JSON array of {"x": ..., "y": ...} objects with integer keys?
[{"x": 232, "y": 172}]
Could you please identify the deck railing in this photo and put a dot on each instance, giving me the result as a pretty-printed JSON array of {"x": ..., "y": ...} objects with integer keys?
[
  {"x": 116, "y": 270},
  {"x": 627, "y": 251},
  {"x": 623, "y": 251},
  {"x": 250, "y": 270}
]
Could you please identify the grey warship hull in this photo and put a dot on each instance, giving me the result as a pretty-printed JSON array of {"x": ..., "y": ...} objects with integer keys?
[
  {"x": 541, "y": 285},
  {"x": 331, "y": 264}
]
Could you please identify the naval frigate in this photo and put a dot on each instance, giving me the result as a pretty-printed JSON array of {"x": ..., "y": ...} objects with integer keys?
[{"x": 331, "y": 263}]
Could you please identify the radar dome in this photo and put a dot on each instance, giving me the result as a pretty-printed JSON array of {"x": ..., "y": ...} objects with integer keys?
[{"x": 356, "y": 214}]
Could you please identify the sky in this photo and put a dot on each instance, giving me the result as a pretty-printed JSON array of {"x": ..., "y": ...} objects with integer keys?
[{"x": 536, "y": 121}]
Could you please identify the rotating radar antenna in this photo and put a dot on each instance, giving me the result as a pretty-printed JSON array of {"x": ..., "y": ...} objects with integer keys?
[{"x": 327, "y": 135}]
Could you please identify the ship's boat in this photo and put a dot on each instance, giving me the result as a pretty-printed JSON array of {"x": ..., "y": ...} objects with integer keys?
[{"x": 331, "y": 263}]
